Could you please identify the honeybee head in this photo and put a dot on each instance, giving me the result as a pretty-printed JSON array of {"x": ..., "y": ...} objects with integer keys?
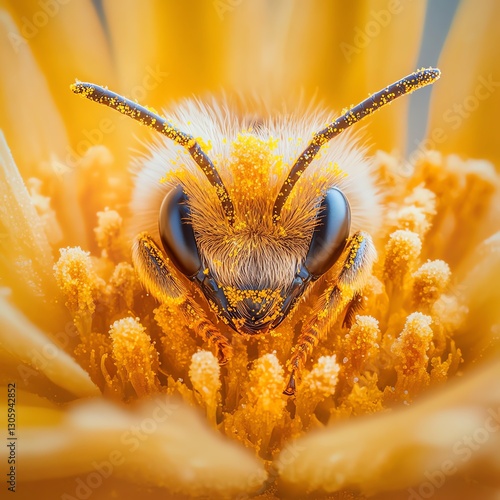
[
  {"x": 266, "y": 283},
  {"x": 252, "y": 281}
]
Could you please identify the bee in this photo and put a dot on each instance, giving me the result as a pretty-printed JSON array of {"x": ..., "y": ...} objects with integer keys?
[{"x": 253, "y": 219}]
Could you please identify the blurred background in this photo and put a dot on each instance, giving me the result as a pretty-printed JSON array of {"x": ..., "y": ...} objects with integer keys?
[{"x": 159, "y": 51}]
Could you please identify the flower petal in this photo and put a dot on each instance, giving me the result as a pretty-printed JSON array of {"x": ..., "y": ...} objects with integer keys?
[
  {"x": 19, "y": 218},
  {"x": 73, "y": 31},
  {"x": 464, "y": 106},
  {"x": 29, "y": 117},
  {"x": 160, "y": 443},
  {"x": 345, "y": 52},
  {"x": 31, "y": 410},
  {"x": 32, "y": 124},
  {"x": 27, "y": 263},
  {"x": 392, "y": 55},
  {"x": 482, "y": 295},
  {"x": 29, "y": 345},
  {"x": 388, "y": 452},
  {"x": 164, "y": 50}
]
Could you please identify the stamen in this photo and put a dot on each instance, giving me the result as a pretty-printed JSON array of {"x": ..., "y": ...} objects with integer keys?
[
  {"x": 135, "y": 356},
  {"x": 204, "y": 373},
  {"x": 108, "y": 234},
  {"x": 410, "y": 350},
  {"x": 360, "y": 345},
  {"x": 79, "y": 283},
  {"x": 402, "y": 252},
  {"x": 430, "y": 281}
]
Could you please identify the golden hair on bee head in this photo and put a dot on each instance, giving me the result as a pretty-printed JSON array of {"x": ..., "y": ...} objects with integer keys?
[{"x": 253, "y": 159}]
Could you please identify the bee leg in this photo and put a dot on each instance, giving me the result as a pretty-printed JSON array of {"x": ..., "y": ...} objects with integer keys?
[
  {"x": 153, "y": 269},
  {"x": 354, "y": 307},
  {"x": 197, "y": 320},
  {"x": 357, "y": 262}
]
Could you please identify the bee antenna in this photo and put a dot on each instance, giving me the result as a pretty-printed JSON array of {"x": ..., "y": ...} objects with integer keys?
[
  {"x": 406, "y": 85},
  {"x": 153, "y": 120}
]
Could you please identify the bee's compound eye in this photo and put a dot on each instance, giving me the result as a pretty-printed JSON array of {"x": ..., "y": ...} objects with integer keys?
[
  {"x": 177, "y": 234},
  {"x": 330, "y": 235}
]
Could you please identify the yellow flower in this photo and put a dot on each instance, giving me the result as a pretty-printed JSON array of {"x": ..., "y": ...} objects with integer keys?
[{"x": 108, "y": 394}]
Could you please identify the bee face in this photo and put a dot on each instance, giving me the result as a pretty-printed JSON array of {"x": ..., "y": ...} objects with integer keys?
[
  {"x": 253, "y": 272},
  {"x": 258, "y": 219},
  {"x": 253, "y": 280}
]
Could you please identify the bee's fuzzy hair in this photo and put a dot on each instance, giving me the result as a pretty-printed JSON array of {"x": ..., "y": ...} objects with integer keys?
[{"x": 268, "y": 254}]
